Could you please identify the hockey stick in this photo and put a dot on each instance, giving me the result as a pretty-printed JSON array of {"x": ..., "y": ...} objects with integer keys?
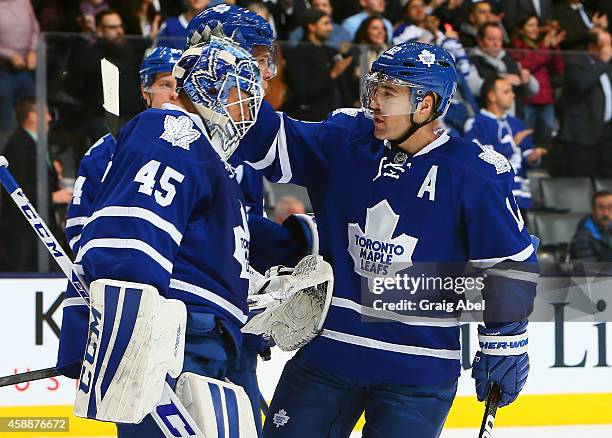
[
  {"x": 488, "y": 419},
  {"x": 170, "y": 415},
  {"x": 28, "y": 376}
]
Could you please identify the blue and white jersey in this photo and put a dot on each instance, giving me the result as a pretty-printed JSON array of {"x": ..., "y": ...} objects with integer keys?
[
  {"x": 173, "y": 33},
  {"x": 92, "y": 168},
  {"x": 488, "y": 129},
  {"x": 169, "y": 213},
  {"x": 376, "y": 206},
  {"x": 251, "y": 183}
]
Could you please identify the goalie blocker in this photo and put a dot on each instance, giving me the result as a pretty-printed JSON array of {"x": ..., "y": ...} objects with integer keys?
[{"x": 135, "y": 338}]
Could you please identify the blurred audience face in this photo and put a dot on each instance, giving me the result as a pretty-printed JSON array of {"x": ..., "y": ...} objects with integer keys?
[
  {"x": 286, "y": 206},
  {"x": 481, "y": 14},
  {"x": 30, "y": 123},
  {"x": 197, "y": 5},
  {"x": 323, "y": 5},
  {"x": 501, "y": 97},
  {"x": 163, "y": 90},
  {"x": 377, "y": 33},
  {"x": 321, "y": 29},
  {"x": 111, "y": 28},
  {"x": 260, "y": 9},
  {"x": 492, "y": 41},
  {"x": 373, "y": 6},
  {"x": 416, "y": 13},
  {"x": 602, "y": 210},
  {"x": 531, "y": 29}
]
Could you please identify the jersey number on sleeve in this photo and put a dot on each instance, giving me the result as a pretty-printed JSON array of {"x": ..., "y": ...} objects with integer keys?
[
  {"x": 146, "y": 177},
  {"x": 78, "y": 190}
]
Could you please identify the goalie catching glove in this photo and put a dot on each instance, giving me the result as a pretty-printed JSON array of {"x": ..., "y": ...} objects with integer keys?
[{"x": 295, "y": 305}]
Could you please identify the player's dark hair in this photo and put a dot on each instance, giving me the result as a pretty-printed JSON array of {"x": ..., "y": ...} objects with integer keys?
[
  {"x": 483, "y": 29},
  {"x": 472, "y": 7},
  {"x": 488, "y": 86},
  {"x": 23, "y": 107},
  {"x": 361, "y": 36},
  {"x": 600, "y": 194},
  {"x": 100, "y": 15}
]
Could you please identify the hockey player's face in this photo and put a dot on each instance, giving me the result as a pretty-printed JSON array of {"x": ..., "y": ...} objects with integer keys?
[
  {"x": 391, "y": 110},
  {"x": 163, "y": 90},
  {"x": 238, "y": 105},
  {"x": 263, "y": 57}
]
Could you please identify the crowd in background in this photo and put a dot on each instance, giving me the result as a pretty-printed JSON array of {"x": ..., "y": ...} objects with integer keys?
[{"x": 535, "y": 78}]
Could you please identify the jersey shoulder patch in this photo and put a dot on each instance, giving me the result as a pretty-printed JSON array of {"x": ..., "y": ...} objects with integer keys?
[
  {"x": 179, "y": 131},
  {"x": 479, "y": 159}
]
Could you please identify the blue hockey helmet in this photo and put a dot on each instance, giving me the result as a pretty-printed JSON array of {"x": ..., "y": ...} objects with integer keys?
[
  {"x": 245, "y": 27},
  {"x": 160, "y": 60},
  {"x": 223, "y": 82},
  {"x": 424, "y": 68}
]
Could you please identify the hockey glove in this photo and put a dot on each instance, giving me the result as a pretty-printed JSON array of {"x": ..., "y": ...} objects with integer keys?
[
  {"x": 503, "y": 359},
  {"x": 305, "y": 226}
]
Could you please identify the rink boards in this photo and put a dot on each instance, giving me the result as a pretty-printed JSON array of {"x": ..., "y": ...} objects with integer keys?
[{"x": 570, "y": 380}]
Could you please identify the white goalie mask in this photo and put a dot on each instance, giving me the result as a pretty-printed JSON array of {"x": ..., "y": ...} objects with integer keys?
[{"x": 223, "y": 82}]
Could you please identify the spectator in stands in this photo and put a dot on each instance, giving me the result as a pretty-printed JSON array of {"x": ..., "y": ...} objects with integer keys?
[
  {"x": 453, "y": 12},
  {"x": 586, "y": 102},
  {"x": 373, "y": 33},
  {"x": 173, "y": 32},
  {"x": 506, "y": 134},
  {"x": 578, "y": 23},
  {"x": 141, "y": 18},
  {"x": 20, "y": 240},
  {"x": 601, "y": 6},
  {"x": 339, "y": 34},
  {"x": 516, "y": 10},
  {"x": 18, "y": 38},
  {"x": 490, "y": 60},
  {"x": 313, "y": 71},
  {"x": 284, "y": 15},
  {"x": 286, "y": 206},
  {"x": 89, "y": 9},
  {"x": 593, "y": 239},
  {"x": 84, "y": 82},
  {"x": 542, "y": 57},
  {"x": 479, "y": 13},
  {"x": 369, "y": 8}
]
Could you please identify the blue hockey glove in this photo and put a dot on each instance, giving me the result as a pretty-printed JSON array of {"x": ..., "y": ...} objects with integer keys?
[
  {"x": 305, "y": 226},
  {"x": 503, "y": 359}
]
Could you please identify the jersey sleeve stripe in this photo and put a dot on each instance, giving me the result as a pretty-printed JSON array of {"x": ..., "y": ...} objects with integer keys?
[
  {"x": 210, "y": 296},
  {"x": 140, "y": 213},
  {"x": 530, "y": 277},
  {"x": 283, "y": 154},
  {"x": 388, "y": 346},
  {"x": 518, "y": 257},
  {"x": 267, "y": 160},
  {"x": 73, "y": 242},
  {"x": 392, "y": 316},
  {"x": 75, "y": 221},
  {"x": 134, "y": 244},
  {"x": 74, "y": 301}
]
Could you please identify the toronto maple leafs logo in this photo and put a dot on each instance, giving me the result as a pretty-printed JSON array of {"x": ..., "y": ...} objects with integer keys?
[
  {"x": 179, "y": 131},
  {"x": 351, "y": 112},
  {"x": 427, "y": 58},
  {"x": 241, "y": 245},
  {"x": 375, "y": 252},
  {"x": 493, "y": 157},
  {"x": 280, "y": 418}
]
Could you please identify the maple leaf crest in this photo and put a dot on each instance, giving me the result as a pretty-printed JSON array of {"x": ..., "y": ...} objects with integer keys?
[
  {"x": 427, "y": 58},
  {"x": 375, "y": 252},
  {"x": 493, "y": 157},
  {"x": 179, "y": 131}
]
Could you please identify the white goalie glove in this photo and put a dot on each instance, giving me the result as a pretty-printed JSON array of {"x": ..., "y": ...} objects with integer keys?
[{"x": 295, "y": 305}]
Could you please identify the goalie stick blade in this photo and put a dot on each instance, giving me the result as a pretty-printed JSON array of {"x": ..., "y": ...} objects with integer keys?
[
  {"x": 28, "y": 376},
  {"x": 488, "y": 419},
  {"x": 110, "y": 87}
]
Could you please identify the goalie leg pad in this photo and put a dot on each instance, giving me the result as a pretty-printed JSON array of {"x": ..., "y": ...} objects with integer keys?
[
  {"x": 220, "y": 409},
  {"x": 135, "y": 338}
]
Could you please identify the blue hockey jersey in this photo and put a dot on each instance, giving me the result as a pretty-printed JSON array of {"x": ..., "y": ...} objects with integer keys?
[
  {"x": 173, "y": 33},
  {"x": 489, "y": 129},
  {"x": 169, "y": 213},
  {"x": 377, "y": 206}
]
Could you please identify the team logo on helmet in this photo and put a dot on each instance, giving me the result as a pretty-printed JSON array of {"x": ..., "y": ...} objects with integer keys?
[{"x": 427, "y": 58}]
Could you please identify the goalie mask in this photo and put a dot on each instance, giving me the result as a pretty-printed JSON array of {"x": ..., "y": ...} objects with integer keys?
[{"x": 224, "y": 84}]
